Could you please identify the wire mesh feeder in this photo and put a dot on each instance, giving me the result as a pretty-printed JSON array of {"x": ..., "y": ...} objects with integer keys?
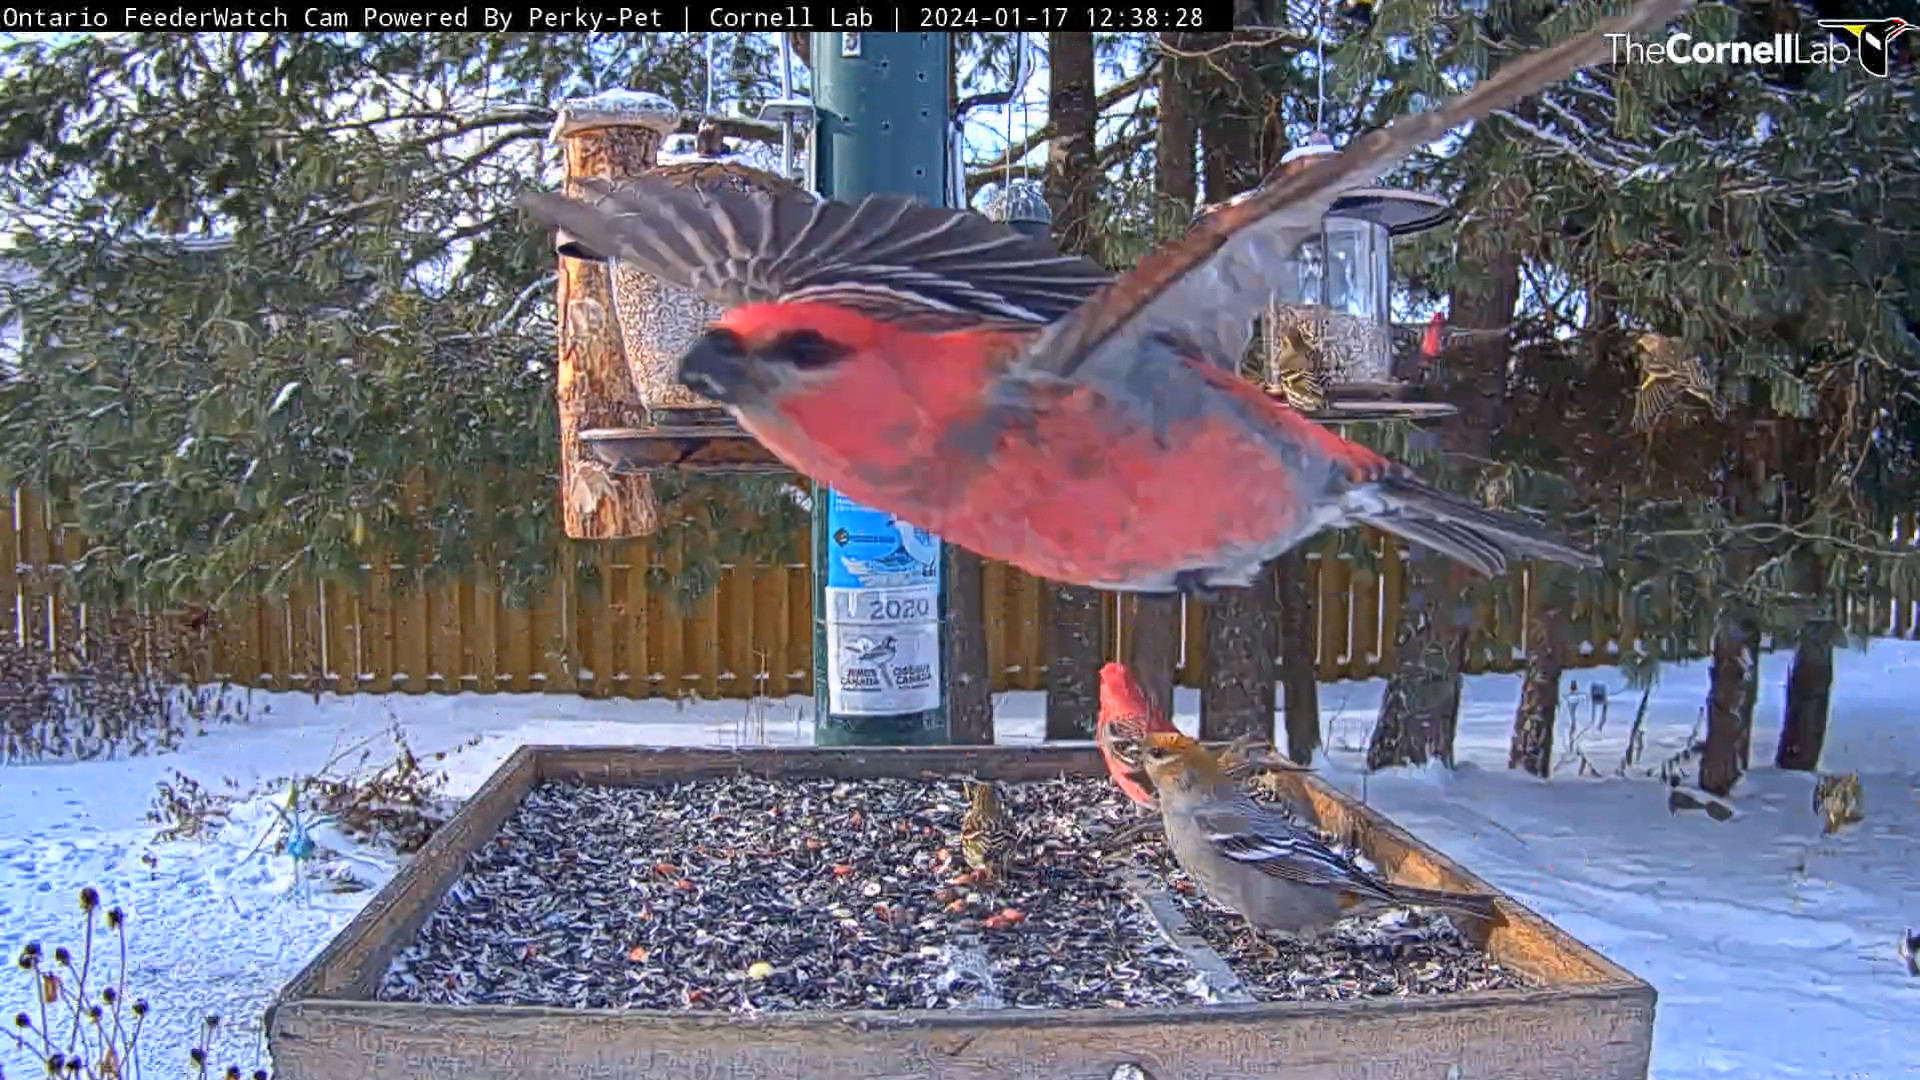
[
  {"x": 658, "y": 323},
  {"x": 1327, "y": 341}
]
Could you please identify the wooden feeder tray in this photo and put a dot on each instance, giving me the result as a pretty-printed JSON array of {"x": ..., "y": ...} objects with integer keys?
[{"x": 1581, "y": 1017}]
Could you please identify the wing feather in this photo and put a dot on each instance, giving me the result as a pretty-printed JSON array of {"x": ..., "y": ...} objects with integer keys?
[{"x": 893, "y": 254}]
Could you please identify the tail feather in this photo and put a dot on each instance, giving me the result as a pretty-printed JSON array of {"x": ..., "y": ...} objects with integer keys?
[
  {"x": 1477, "y": 905},
  {"x": 1482, "y": 539}
]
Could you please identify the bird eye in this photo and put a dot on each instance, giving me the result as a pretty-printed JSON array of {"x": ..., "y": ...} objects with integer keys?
[{"x": 805, "y": 349}]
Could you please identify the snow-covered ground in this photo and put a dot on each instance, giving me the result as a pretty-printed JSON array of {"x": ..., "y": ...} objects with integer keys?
[{"x": 1773, "y": 948}]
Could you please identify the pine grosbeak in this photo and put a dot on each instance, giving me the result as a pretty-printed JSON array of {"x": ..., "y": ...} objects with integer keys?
[
  {"x": 1019, "y": 403},
  {"x": 1127, "y": 718},
  {"x": 1261, "y": 862}
]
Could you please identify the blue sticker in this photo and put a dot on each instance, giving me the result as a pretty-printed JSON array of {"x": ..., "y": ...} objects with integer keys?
[{"x": 871, "y": 549}]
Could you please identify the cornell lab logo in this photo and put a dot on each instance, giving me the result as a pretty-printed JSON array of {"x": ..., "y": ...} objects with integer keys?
[
  {"x": 1873, "y": 39},
  {"x": 1868, "y": 40}
]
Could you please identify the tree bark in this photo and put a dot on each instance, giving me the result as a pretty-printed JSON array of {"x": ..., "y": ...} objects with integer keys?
[
  {"x": 1176, "y": 182},
  {"x": 1803, "y": 730},
  {"x": 1078, "y": 639},
  {"x": 1237, "y": 693},
  {"x": 1727, "y": 675},
  {"x": 1531, "y": 748},
  {"x": 593, "y": 383},
  {"x": 1803, "y": 727},
  {"x": 969, "y": 683},
  {"x": 1153, "y": 646},
  {"x": 1296, "y": 625},
  {"x": 1421, "y": 707}
]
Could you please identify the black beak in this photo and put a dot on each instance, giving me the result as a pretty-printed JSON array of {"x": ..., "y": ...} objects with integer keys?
[{"x": 716, "y": 366}]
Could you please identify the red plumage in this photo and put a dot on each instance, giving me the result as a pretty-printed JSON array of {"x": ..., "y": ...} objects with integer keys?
[{"x": 1126, "y": 719}]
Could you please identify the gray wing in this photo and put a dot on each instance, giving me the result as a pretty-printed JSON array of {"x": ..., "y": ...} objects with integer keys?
[
  {"x": 1274, "y": 844},
  {"x": 1206, "y": 289},
  {"x": 885, "y": 254}
]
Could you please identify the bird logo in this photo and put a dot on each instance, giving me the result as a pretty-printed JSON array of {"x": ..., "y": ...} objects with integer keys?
[
  {"x": 1873, "y": 38},
  {"x": 878, "y": 653}
]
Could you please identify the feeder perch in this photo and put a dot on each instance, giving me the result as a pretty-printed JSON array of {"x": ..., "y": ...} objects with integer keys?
[
  {"x": 1329, "y": 339},
  {"x": 658, "y": 322},
  {"x": 1021, "y": 205}
]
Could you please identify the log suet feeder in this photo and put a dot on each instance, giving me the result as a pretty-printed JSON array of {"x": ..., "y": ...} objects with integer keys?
[
  {"x": 657, "y": 323},
  {"x": 612, "y": 136},
  {"x": 1328, "y": 335}
]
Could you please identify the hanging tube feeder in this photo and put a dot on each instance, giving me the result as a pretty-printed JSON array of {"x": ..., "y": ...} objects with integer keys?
[{"x": 1328, "y": 341}]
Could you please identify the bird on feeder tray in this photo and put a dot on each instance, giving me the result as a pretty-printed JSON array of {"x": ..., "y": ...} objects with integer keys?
[
  {"x": 987, "y": 833},
  {"x": 1020, "y": 403}
]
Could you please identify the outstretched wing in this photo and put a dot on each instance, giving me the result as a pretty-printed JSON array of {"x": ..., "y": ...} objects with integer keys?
[
  {"x": 1207, "y": 288},
  {"x": 885, "y": 254}
]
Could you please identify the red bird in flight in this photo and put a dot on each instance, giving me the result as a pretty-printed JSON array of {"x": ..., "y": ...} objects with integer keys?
[{"x": 1025, "y": 405}]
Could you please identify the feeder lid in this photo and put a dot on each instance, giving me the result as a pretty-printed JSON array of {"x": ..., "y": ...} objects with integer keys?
[
  {"x": 1399, "y": 211},
  {"x": 615, "y": 108},
  {"x": 1317, "y": 145}
]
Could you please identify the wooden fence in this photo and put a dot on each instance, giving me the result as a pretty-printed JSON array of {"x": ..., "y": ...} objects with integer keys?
[{"x": 598, "y": 629}]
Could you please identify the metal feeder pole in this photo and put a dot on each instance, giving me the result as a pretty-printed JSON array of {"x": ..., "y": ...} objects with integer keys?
[{"x": 881, "y": 114}]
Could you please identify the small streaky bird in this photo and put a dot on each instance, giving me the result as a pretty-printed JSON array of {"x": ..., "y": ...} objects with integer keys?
[
  {"x": 1669, "y": 377},
  {"x": 987, "y": 834},
  {"x": 1025, "y": 405},
  {"x": 1298, "y": 370}
]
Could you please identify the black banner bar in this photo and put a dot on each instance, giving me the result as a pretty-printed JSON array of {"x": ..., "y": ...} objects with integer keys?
[{"x": 615, "y": 16}]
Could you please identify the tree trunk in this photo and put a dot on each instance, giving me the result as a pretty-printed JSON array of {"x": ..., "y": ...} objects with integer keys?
[
  {"x": 1237, "y": 693},
  {"x": 1532, "y": 745},
  {"x": 1153, "y": 646},
  {"x": 1803, "y": 728},
  {"x": 1073, "y": 663},
  {"x": 1423, "y": 695},
  {"x": 1296, "y": 624},
  {"x": 1422, "y": 703},
  {"x": 1720, "y": 765},
  {"x": 1175, "y": 181},
  {"x": 1237, "y": 689},
  {"x": 1078, "y": 642},
  {"x": 1749, "y": 699},
  {"x": 969, "y": 683}
]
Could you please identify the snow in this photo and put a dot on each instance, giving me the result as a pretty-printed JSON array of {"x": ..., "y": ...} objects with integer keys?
[{"x": 1773, "y": 948}]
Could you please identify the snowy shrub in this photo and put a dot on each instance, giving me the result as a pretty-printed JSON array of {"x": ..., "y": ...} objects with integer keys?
[
  {"x": 109, "y": 684},
  {"x": 84, "y": 1023}
]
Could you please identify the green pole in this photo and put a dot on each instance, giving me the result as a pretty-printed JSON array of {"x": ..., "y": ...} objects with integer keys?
[{"x": 881, "y": 110}]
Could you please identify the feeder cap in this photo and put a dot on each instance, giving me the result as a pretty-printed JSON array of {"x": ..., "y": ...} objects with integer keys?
[{"x": 1317, "y": 145}]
